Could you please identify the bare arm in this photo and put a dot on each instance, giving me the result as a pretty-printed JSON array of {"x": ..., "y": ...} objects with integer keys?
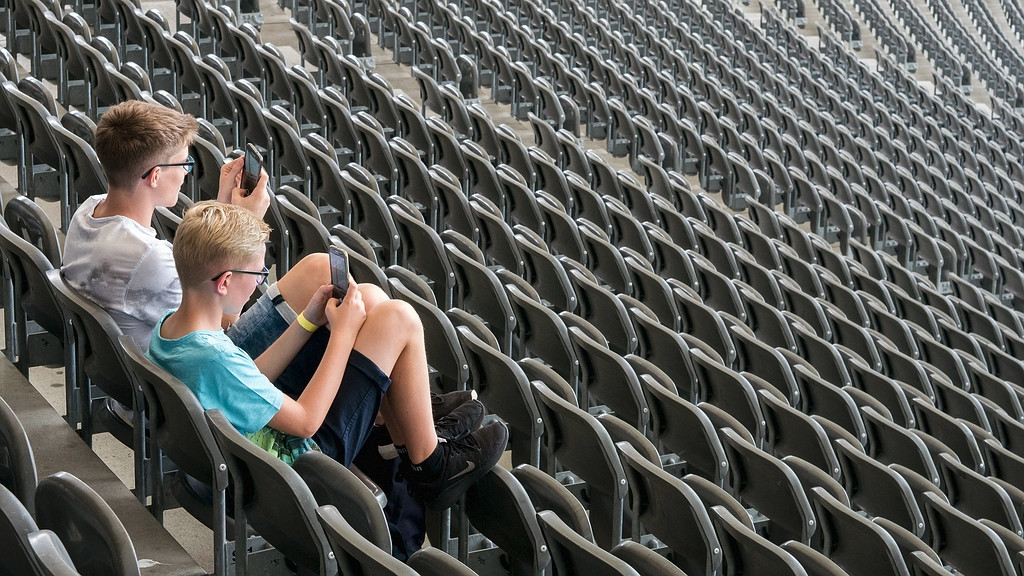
[{"x": 303, "y": 417}]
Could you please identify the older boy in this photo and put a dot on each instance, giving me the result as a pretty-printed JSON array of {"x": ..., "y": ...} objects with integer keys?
[{"x": 219, "y": 253}]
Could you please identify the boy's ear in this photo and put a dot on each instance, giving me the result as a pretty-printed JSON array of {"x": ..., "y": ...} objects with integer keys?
[
  {"x": 154, "y": 175},
  {"x": 222, "y": 282}
]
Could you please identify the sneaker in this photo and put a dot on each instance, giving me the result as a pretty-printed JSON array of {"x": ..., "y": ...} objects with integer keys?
[
  {"x": 461, "y": 421},
  {"x": 442, "y": 404},
  {"x": 463, "y": 463}
]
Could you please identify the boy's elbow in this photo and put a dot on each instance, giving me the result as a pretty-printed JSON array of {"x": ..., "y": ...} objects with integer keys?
[{"x": 308, "y": 430}]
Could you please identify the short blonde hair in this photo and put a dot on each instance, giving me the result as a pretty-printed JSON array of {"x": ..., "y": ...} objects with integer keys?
[
  {"x": 134, "y": 136},
  {"x": 214, "y": 237}
]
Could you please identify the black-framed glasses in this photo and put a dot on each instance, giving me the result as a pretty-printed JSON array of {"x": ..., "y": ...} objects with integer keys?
[
  {"x": 188, "y": 165},
  {"x": 262, "y": 274}
]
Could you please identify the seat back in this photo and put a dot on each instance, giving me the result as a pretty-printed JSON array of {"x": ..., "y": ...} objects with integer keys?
[
  {"x": 763, "y": 482},
  {"x": 684, "y": 429},
  {"x": 332, "y": 484},
  {"x": 743, "y": 548},
  {"x": 50, "y": 555},
  {"x": 574, "y": 554},
  {"x": 504, "y": 387},
  {"x": 28, "y": 220},
  {"x": 498, "y": 506},
  {"x": 96, "y": 540},
  {"x": 356, "y": 552},
  {"x": 430, "y": 561},
  {"x": 856, "y": 544},
  {"x": 83, "y": 171},
  {"x": 273, "y": 499},
  {"x": 672, "y": 511},
  {"x": 32, "y": 298},
  {"x": 17, "y": 463},
  {"x": 791, "y": 432},
  {"x": 877, "y": 489},
  {"x": 95, "y": 339},
  {"x": 582, "y": 445},
  {"x": 15, "y": 526},
  {"x": 964, "y": 542},
  {"x": 547, "y": 493},
  {"x": 180, "y": 433}
]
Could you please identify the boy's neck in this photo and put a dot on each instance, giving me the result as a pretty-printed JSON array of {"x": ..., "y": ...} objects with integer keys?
[
  {"x": 130, "y": 204},
  {"x": 197, "y": 312}
]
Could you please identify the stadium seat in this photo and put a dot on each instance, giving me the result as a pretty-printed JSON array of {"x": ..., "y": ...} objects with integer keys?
[
  {"x": 672, "y": 512},
  {"x": 848, "y": 537},
  {"x": 95, "y": 539}
]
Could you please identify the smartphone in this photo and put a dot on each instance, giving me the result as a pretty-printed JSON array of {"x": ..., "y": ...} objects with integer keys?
[
  {"x": 251, "y": 169},
  {"x": 339, "y": 271}
]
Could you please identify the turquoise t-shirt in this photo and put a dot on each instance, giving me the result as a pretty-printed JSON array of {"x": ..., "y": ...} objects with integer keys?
[{"x": 220, "y": 374}]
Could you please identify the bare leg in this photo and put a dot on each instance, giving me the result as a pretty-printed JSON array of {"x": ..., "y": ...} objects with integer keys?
[
  {"x": 392, "y": 337},
  {"x": 312, "y": 272}
]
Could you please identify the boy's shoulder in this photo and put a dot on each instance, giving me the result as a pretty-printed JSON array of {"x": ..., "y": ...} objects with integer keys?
[{"x": 116, "y": 242}]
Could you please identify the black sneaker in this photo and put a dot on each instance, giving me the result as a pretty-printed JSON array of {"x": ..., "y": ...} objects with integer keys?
[
  {"x": 463, "y": 463},
  {"x": 461, "y": 421},
  {"x": 442, "y": 404}
]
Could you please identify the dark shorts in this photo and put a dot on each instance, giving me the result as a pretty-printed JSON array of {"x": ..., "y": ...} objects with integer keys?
[{"x": 354, "y": 410}]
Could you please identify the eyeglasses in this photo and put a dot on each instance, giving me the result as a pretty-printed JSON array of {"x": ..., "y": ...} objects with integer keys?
[
  {"x": 188, "y": 165},
  {"x": 262, "y": 274}
]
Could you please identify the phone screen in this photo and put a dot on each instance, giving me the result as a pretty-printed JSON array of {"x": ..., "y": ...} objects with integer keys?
[
  {"x": 251, "y": 168},
  {"x": 339, "y": 271}
]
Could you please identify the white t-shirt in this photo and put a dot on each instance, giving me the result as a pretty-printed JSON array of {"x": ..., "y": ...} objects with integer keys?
[{"x": 122, "y": 266}]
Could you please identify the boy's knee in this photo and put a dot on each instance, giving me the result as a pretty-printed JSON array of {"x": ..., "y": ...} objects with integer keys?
[
  {"x": 372, "y": 295},
  {"x": 314, "y": 268},
  {"x": 400, "y": 315}
]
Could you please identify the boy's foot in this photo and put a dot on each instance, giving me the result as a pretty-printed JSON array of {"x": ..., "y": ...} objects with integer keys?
[
  {"x": 461, "y": 421},
  {"x": 442, "y": 404},
  {"x": 462, "y": 462}
]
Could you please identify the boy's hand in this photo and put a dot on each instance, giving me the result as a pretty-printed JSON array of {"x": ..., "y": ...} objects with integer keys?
[
  {"x": 231, "y": 192},
  {"x": 347, "y": 314},
  {"x": 315, "y": 310},
  {"x": 230, "y": 176},
  {"x": 258, "y": 201}
]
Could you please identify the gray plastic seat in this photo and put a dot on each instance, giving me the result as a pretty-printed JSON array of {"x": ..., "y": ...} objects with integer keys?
[
  {"x": 582, "y": 445},
  {"x": 504, "y": 388},
  {"x": 672, "y": 512},
  {"x": 498, "y": 506},
  {"x": 763, "y": 482},
  {"x": 856, "y": 544},
  {"x": 878, "y": 490},
  {"x": 181, "y": 434},
  {"x": 681, "y": 427},
  {"x": 17, "y": 463},
  {"x": 275, "y": 501},
  {"x": 350, "y": 492},
  {"x": 574, "y": 554},
  {"x": 50, "y": 555},
  {"x": 91, "y": 345},
  {"x": 745, "y": 552},
  {"x": 31, "y": 298},
  {"x": 16, "y": 525},
  {"x": 547, "y": 493},
  {"x": 963, "y": 542},
  {"x": 94, "y": 537},
  {"x": 351, "y": 549}
]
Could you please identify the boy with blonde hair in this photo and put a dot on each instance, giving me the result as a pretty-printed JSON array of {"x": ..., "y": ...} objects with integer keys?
[{"x": 219, "y": 253}]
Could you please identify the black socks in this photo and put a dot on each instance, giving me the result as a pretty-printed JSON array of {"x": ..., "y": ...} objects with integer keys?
[{"x": 429, "y": 467}]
